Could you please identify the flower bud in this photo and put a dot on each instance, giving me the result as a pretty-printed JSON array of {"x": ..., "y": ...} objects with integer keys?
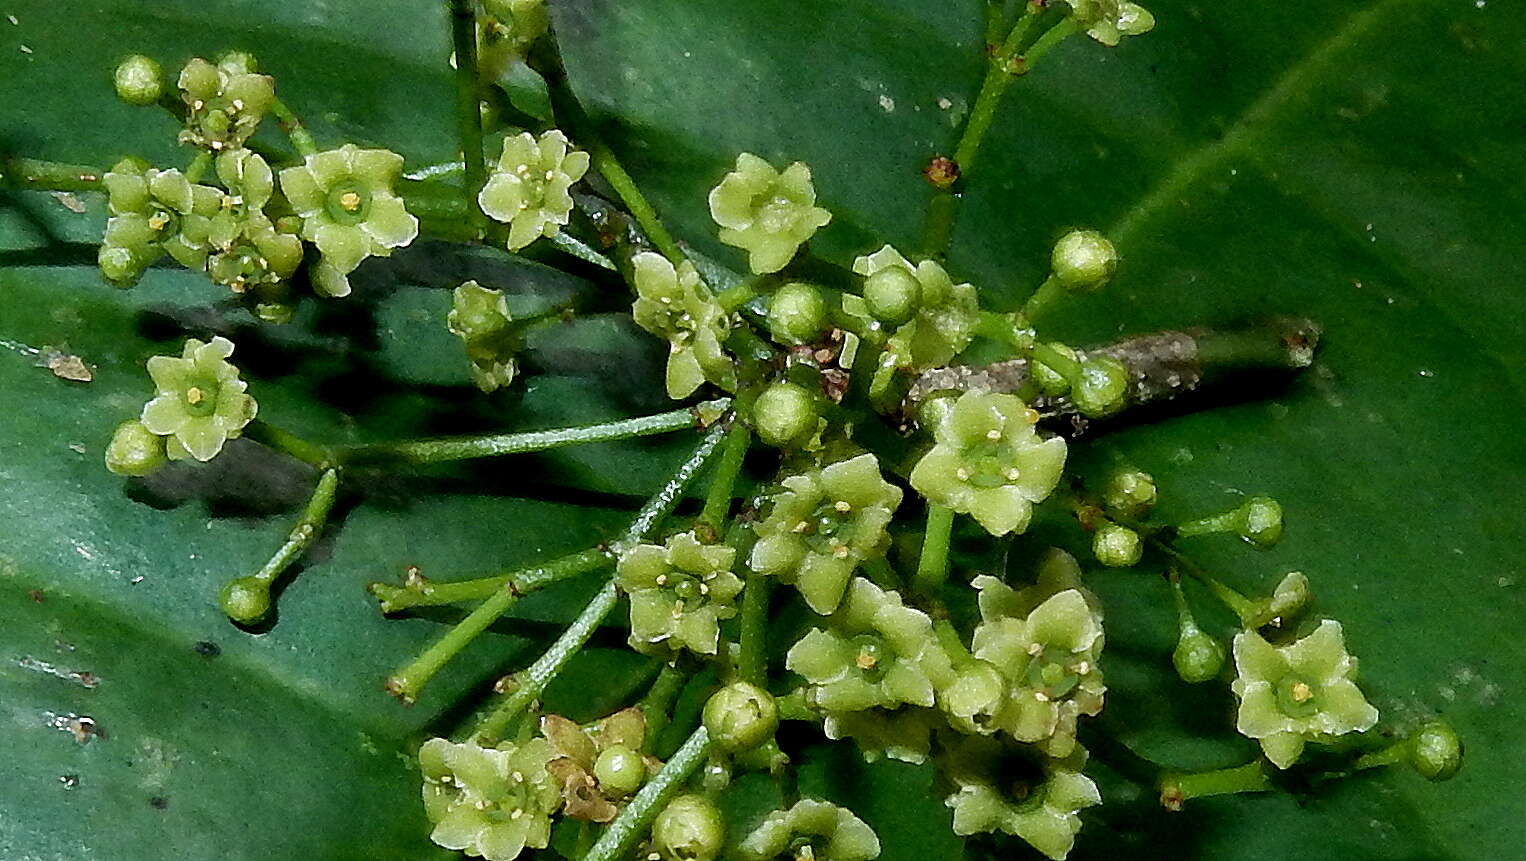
[
  {"x": 134, "y": 450},
  {"x": 892, "y": 295},
  {"x": 1198, "y": 656},
  {"x": 784, "y": 415},
  {"x": 690, "y": 828},
  {"x": 1130, "y": 493},
  {"x": 620, "y": 769},
  {"x": 1101, "y": 388},
  {"x": 246, "y": 600},
  {"x": 796, "y": 314},
  {"x": 1435, "y": 751},
  {"x": 1084, "y": 260},
  {"x": 1117, "y": 546},
  {"x": 741, "y": 716},
  {"x": 1260, "y": 521},
  {"x": 139, "y": 80},
  {"x": 1288, "y": 599}
]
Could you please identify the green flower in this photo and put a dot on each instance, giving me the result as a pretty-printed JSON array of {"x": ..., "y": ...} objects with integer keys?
[
  {"x": 153, "y": 213},
  {"x": 248, "y": 250},
  {"x": 903, "y": 734},
  {"x": 201, "y": 402},
  {"x": 225, "y": 102},
  {"x": 491, "y": 802},
  {"x": 1108, "y": 21},
  {"x": 766, "y": 213},
  {"x": 811, "y": 830},
  {"x": 989, "y": 462},
  {"x": 876, "y": 653},
  {"x": 348, "y": 210},
  {"x": 505, "y": 32},
  {"x": 1045, "y": 643},
  {"x": 1298, "y": 693},
  {"x": 822, "y": 525},
  {"x": 675, "y": 304},
  {"x": 529, "y": 189},
  {"x": 598, "y": 766},
  {"x": 1018, "y": 791},
  {"x": 679, "y": 593},
  {"x": 942, "y": 314},
  {"x": 480, "y": 317}
]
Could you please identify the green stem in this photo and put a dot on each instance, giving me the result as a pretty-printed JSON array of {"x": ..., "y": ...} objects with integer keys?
[
  {"x": 1176, "y": 789},
  {"x": 465, "y": 448},
  {"x": 1051, "y": 357},
  {"x": 1050, "y": 293},
  {"x": 571, "y": 116},
  {"x": 539, "y": 674},
  {"x": 723, "y": 480},
  {"x": 246, "y": 600},
  {"x": 533, "y": 681},
  {"x": 1228, "y": 521},
  {"x": 1005, "y": 66},
  {"x": 307, "y": 528},
  {"x": 463, "y": 31},
  {"x": 36, "y": 174},
  {"x": 657, "y": 703},
  {"x": 752, "y": 651},
  {"x": 633, "y": 822},
  {"x": 737, "y": 295},
  {"x": 288, "y": 443},
  {"x": 421, "y": 592},
  {"x": 953, "y": 644},
  {"x": 1392, "y": 755},
  {"x": 301, "y": 138},
  {"x": 1246, "y": 609},
  {"x": 932, "y": 567},
  {"x": 406, "y": 683}
]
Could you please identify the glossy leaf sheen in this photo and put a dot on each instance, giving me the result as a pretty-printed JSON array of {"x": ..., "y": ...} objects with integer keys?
[{"x": 1358, "y": 162}]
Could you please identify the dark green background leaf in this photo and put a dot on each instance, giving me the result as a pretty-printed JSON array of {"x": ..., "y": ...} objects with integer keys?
[{"x": 1357, "y": 162}]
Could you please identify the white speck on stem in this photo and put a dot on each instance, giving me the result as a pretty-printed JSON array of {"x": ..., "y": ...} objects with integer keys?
[{"x": 887, "y": 103}]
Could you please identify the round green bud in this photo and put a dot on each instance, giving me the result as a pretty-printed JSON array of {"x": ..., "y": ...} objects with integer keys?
[
  {"x": 1050, "y": 381},
  {"x": 741, "y": 716},
  {"x": 1260, "y": 521},
  {"x": 134, "y": 450},
  {"x": 892, "y": 295},
  {"x": 784, "y": 415},
  {"x": 1117, "y": 546},
  {"x": 1084, "y": 260},
  {"x": 1435, "y": 751},
  {"x": 238, "y": 63},
  {"x": 690, "y": 828},
  {"x": 620, "y": 770},
  {"x": 1102, "y": 388},
  {"x": 1198, "y": 657},
  {"x": 797, "y": 314},
  {"x": 1288, "y": 599},
  {"x": 139, "y": 80},
  {"x": 246, "y": 600},
  {"x": 1130, "y": 493}
]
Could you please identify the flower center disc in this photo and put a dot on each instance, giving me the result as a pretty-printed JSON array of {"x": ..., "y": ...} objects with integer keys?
[{"x": 349, "y": 203}]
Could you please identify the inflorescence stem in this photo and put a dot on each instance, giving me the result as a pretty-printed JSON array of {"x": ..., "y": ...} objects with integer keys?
[
  {"x": 301, "y": 139},
  {"x": 932, "y": 566},
  {"x": 36, "y": 174},
  {"x": 1177, "y": 789},
  {"x": 464, "y": 448},
  {"x": 533, "y": 681},
  {"x": 571, "y": 116},
  {"x": 246, "y": 600},
  {"x": 463, "y": 32}
]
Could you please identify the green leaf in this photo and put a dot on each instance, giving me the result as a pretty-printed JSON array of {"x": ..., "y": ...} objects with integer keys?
[{"x": 1354, "y": 162}]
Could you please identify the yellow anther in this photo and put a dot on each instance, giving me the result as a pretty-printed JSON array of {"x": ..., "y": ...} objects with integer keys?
[
  {"x": 1301, "y": 693},
  {"x": 194, "y": 396},
  {"x": 350, "y": 201},
  {"x": 843, "y": 506}
]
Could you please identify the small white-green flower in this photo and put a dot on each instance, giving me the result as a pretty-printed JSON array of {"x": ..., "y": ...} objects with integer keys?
[
  {"x": 201, "y": 403},
  {"x": 673, "y": 303},
  {"x": 767, "y": 213},
  {"x": 989, "y": 462},
  {"x": 1108, "y": 21},
  {"x": 1019, "y": 791},
  {"x": 529, "y": 189},
  {"x": 490, "y": 802},
  {"x": 348, "y": 210},
  {"x": 811, "y": 830},
  {"x": 1299, "y": 692}
]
